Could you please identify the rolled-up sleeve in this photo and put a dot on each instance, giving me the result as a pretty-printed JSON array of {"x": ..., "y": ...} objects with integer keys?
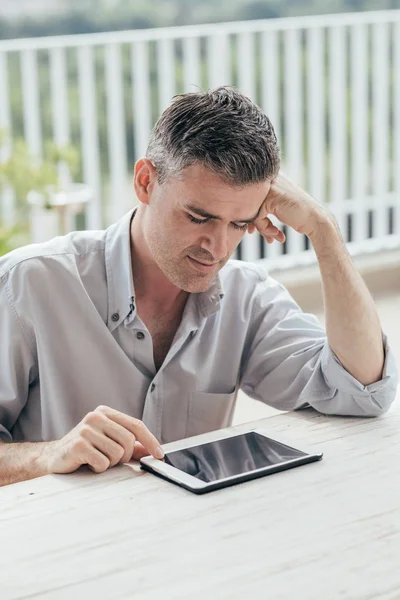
[
  {"x": 17, "y": 365},
  {"x": 289, "y": 364}
]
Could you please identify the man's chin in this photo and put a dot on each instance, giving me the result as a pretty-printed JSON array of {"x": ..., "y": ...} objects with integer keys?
[
  {"x": 194, "y": 285},
  {"x": 197, "y": 287}
]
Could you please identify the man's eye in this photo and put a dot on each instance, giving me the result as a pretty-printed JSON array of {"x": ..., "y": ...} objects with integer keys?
[
  {"x": 241, "y": 227},
  {"x": 201, "y": 221},
  {"x": 198, "y": 221}
]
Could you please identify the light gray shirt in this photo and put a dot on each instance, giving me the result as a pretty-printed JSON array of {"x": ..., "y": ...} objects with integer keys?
[{"x": 71, "y": 340}]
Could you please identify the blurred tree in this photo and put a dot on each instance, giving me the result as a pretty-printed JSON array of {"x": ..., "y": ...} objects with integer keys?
[{"x": 88, "y": 16}]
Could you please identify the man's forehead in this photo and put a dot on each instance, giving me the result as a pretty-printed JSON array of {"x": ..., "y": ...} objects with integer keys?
[
  {"x": 241, "y": 206},
  {"x": 212, "y": 197}
]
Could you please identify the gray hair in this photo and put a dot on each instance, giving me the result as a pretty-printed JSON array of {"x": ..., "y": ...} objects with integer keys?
[{"x": 222, "y": 129}]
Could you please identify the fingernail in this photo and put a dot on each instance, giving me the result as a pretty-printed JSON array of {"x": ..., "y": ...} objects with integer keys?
[{"x": 159, "y": 453}]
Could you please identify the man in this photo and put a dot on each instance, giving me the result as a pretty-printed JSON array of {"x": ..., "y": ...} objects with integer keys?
[{"x": 114, "y": 342}]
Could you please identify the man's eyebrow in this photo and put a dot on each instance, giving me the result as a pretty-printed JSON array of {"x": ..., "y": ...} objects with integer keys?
[{"x": 202, "y": 213}]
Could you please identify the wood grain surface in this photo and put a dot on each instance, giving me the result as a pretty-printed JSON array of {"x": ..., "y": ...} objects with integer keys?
[{"x": 323, "y": 531}]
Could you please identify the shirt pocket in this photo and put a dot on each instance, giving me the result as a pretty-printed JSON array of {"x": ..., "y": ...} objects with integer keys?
[{"x": 208, "y": 412}]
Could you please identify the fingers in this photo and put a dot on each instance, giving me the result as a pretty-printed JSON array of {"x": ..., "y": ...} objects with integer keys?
[
  {"x": 116, "y": 432},
  {"x": 273, "y": 235},
  {"x": 139, "y": 451},
  {"x": 113, "y": 451},
  {"x": 268, "y": 230},
  {"x": 135, "y": 426},
  {"x": 89, "y": 455}
]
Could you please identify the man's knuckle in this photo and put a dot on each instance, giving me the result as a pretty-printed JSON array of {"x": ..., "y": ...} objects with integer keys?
[
  {"x": 138, "y": 424},
  {"x": 119, "y": 454},
  {"x": 85, "y": 431},
  {"x": 89, "y": 417},
  {"x": 81, "y": 445},
  {"x": 99, "y": 468},
  {"x": 102, "y": 464}
]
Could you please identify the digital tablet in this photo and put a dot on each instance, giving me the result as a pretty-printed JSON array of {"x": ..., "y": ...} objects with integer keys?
[{"x": 227, "y": 461}]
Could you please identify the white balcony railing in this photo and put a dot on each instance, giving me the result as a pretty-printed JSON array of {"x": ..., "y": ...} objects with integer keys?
[{"x": 330, "y": 84}]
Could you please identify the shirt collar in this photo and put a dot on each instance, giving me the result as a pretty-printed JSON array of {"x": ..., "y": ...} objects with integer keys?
[
  {"x": 121, "y": 293},
  {"x": 209, "y": 301},
  {"x": 120, "y": 286}
]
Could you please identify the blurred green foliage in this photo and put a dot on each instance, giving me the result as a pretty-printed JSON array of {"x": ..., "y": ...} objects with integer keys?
[
  {"x": 24, "y": 172},
  {"x": 13, "y": 237}
]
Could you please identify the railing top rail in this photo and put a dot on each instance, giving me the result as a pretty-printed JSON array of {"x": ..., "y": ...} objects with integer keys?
[{"x": 135, "y": 35}]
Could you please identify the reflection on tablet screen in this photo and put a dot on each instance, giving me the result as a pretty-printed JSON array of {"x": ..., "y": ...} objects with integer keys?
[{"x": 231, "y": 456}]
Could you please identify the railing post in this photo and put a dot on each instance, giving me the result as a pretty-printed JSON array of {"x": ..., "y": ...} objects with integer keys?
[
  {"x": 396, "y": 128},
  {"x": 89, "y": 134},
  {"x": 119, "y": 189},
  {"x": 141, "y": 97},
  {"x": 7, "y": 212},
  {"x": 359, "y": 130},
  {"x": 293, "y": 154},
  {"x": 380, "y": 155},
  {"x": 337, "y": 123}
]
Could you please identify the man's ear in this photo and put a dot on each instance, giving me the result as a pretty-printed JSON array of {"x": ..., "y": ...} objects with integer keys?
[{"x": 144, "y": 179}]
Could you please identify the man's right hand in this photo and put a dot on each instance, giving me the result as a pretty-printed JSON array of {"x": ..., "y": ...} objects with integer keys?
[{"x": 104, "y": 438}]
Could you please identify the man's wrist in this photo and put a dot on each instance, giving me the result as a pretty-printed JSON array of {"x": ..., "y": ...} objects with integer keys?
[
  {"x": 325, "y": 232},
  {"x": 40, "y": 458}
]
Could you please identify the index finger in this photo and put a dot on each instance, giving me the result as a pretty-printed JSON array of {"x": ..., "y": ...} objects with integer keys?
[{"x": 138, "y": 428}]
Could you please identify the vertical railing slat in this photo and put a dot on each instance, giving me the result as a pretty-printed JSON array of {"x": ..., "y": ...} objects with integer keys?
[
  {"x": 166, "y": 73},
  {"x": 337, "y": 123},
  {"x": 246, "y": 65},
  {"x": 31, "y": 103},
  {"x": 89, "y": 134},
  {"x": 359, "y": 130},
  {"x": 58, "y": 73},
  {"x": 119, "y": 189},
  {"x": 59, "y": 103},
  {"x": 7, "y": 207},
  {"x": 218, "y": 60},
  {"x": 380, "y": 156},
  {"x": 293, "y": 158},
  {"x": 396, "y": 129},
  {"x": 315, "y": 116},
  {"x": 191, "y": 64},
  {"x": 141, "y": 97},
  {"x": 251, "y": 243},
  {"x": 270, "y": 101}
]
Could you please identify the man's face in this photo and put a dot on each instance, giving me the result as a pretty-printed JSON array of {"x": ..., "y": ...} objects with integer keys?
[{"x": 192, "y": 224}]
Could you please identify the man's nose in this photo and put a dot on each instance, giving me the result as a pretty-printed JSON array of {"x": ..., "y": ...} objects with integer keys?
[{"x": 216, "y": 243}]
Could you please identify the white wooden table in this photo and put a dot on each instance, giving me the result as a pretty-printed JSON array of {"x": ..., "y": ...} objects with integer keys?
[{"x": 325, "y": 530}]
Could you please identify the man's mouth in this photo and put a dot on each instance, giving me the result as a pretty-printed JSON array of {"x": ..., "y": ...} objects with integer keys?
[{"x": 202, "y": 266}]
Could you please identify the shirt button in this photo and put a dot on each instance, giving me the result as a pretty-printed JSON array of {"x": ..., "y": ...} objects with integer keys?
[
  {"x": 115, "y": 317},
  {"x": 153, "y": 387},
  {"x": 140, "y": 335}
]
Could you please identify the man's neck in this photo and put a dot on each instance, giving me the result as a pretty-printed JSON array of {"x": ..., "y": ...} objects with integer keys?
[{"x": 151, "y": 285}]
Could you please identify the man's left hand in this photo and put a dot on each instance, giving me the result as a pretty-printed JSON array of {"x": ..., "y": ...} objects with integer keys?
[{"x": 292, "y": 206}]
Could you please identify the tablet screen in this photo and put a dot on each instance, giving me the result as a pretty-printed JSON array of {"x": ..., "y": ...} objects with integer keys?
[{"x": 231, "y": 456}]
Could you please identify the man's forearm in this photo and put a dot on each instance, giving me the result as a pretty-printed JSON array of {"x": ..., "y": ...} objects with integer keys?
[
  {"x": 21, "y": 461},
  {"x": 352, "y": 322}
]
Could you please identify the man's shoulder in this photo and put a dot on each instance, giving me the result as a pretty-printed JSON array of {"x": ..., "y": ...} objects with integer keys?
[{"x": 55, "y": 251}]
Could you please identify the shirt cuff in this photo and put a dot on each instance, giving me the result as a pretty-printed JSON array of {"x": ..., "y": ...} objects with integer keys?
[
  {"x": 338, "y": 377},
  {"x": 5, "y": 435}
]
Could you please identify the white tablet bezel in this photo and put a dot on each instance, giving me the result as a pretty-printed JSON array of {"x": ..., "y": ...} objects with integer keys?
[{"x": 181, "y": 477}]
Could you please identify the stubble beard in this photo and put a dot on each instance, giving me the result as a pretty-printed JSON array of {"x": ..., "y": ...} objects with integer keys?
[{"x": 184, "y": 280}]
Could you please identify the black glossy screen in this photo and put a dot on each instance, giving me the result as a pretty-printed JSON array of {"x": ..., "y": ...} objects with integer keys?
[{"x": 231, "y": 456}]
